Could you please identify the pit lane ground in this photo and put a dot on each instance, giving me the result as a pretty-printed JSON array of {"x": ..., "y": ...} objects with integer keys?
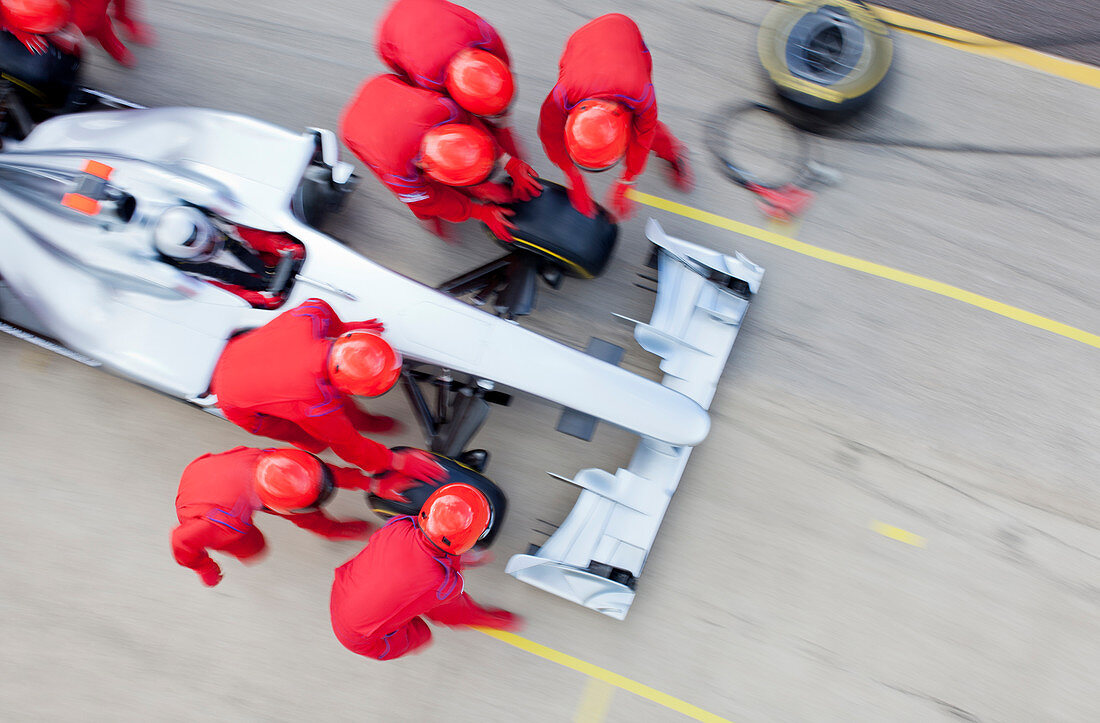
[{"x": 894, "y": 518}]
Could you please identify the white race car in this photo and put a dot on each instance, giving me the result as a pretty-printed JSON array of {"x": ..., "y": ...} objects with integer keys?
[{"x": 80, "y": 197}]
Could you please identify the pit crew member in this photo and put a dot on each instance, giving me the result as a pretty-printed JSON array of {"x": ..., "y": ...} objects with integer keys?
[
  {"x": 430, "y": 153},
  {"x": 293, "y": 380},
  {"x": 438, "y": 45},
  {"x": 412, "y": 568},
  {"x": 219, "y": 493},
  {"x": 603, "y": 109}
]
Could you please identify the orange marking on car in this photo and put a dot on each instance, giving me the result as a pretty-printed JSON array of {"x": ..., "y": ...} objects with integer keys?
[
  {"x": 80, "y": 203},
  {"x": 97, "y": 169}
]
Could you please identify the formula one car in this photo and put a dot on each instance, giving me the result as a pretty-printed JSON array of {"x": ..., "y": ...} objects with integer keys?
[{"x": 81, "y": 195}]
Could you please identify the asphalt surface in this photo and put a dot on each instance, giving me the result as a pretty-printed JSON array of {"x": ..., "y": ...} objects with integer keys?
[
  {"x": 853, "y": 406},
  {"x": 1069, "y": 28}
]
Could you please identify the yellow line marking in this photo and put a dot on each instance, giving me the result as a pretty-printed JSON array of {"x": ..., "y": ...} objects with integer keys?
[
  {"x": 595, "y": 701},
  {"x": 869, "y": 267},
  {"x": 595, "y": 671},
  {"x": 982, "y": 45},
  {"x": 896, "y": 533}
]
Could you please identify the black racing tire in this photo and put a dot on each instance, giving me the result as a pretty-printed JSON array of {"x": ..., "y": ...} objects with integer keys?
[
  {"x": 826, "y": 58},
  {"x": 548, "y": 227},
  {"x": 456, "y": 472},
  {"x": 45, "y": 80},
  {"x": 315, "y": 197}
]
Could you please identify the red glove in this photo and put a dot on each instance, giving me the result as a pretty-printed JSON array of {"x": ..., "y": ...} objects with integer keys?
[
  {"x": 210, "y": 574},
  {"x": 500, "y": 620},
  {"x": 390, "y": 486},
  {"x": 490, "y": 192},
  {"x": 496, "y": 218},
  {"x": 349, "y": 530},
  {"x": 138, "y": 31},
  {"x": 417, "y": 464},
  {"x": 476, "y": 558},
  {"x": 34, "y": 43},
  {"x": 525, "y": 182},
  {"x": 617, "y": 199},
  {"x": 369, "y": 325},
  {"x": 578, "y": 196}
]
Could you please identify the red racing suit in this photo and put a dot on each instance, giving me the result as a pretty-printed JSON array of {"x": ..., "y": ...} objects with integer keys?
[
  {"x": 273, "y": 381},
  {"x": 608, "y": 59},
  {"x": 384, "y": 125},
  {"x": 418, "y": 38},
  {"x": 93, "y": 19},
  {"x": 378, "y": 595},
  {"x": 216, "y": 502}
]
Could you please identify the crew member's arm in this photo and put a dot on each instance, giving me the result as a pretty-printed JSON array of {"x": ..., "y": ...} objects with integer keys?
[
  {"x": 501, "y": 131},
  {"x": 350, "y": 478},
  {"x": 641, "y": 140},
  {"x": 336, "y": 428},
  {"x": 552, "y": 134},
  {"x": 189, "y": 543},
  {"x": 463, "y": 611},
  {"x": 321, "y": 524},
  {"x": 327, "y": 324},
  {"x": 436, "y": 200}
]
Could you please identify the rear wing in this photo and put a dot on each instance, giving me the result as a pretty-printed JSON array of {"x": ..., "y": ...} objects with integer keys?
[{"x": 596, "y": 556}]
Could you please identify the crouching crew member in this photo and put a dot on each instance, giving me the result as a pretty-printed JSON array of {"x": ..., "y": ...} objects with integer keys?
[
  {"x": 440, "y": 46},
  {"x": 412, "y": 567},
  {"x": 293, "y": 381},
  {"x": 431, "y": 154},
  {"x": 603, "y": 108},
  {"x": 219, "y": 493}
]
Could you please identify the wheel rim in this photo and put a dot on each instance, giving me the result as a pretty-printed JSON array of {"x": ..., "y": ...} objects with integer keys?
[{"x": 825, "y": 46}]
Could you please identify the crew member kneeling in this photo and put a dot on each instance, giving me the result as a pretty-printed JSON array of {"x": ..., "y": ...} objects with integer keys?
[
  {"x": 292, "y": 381},
  {"x": 412, "y": 567},
  {"x": 219, "y": 493},
  {"x": 434, "y": 156},
  {"x": 438, "y": 45}
]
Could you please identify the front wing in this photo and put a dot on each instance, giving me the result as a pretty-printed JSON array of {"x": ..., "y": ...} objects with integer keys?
[{"x": 596, "y": 555}]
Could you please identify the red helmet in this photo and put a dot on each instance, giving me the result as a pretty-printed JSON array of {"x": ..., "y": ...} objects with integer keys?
[
  {"x": 34, "y": 16},
  {"x": 457, "y": 154},
  {"x": 290, "y": 480},
  {"x": 363, "y": 364},
  {"x": 597, "y": 133},
  {"x": 480, "y": 82},
  {"x": 455, "y": 517}
]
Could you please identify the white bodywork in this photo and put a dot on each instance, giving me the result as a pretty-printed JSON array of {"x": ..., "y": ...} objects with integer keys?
[
  {"x": 96, "y": 285},
  {"x": 612, "y": 526},
  {"x": 98, "y": 288}
]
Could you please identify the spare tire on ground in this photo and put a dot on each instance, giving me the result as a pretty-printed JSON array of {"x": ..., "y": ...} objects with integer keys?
[{"x": 827, "y": 58}]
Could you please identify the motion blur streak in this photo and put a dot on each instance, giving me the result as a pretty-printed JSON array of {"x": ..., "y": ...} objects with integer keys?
[
  {"x": 870, "y": 267},
  {"x": 595, "y": 671}
]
